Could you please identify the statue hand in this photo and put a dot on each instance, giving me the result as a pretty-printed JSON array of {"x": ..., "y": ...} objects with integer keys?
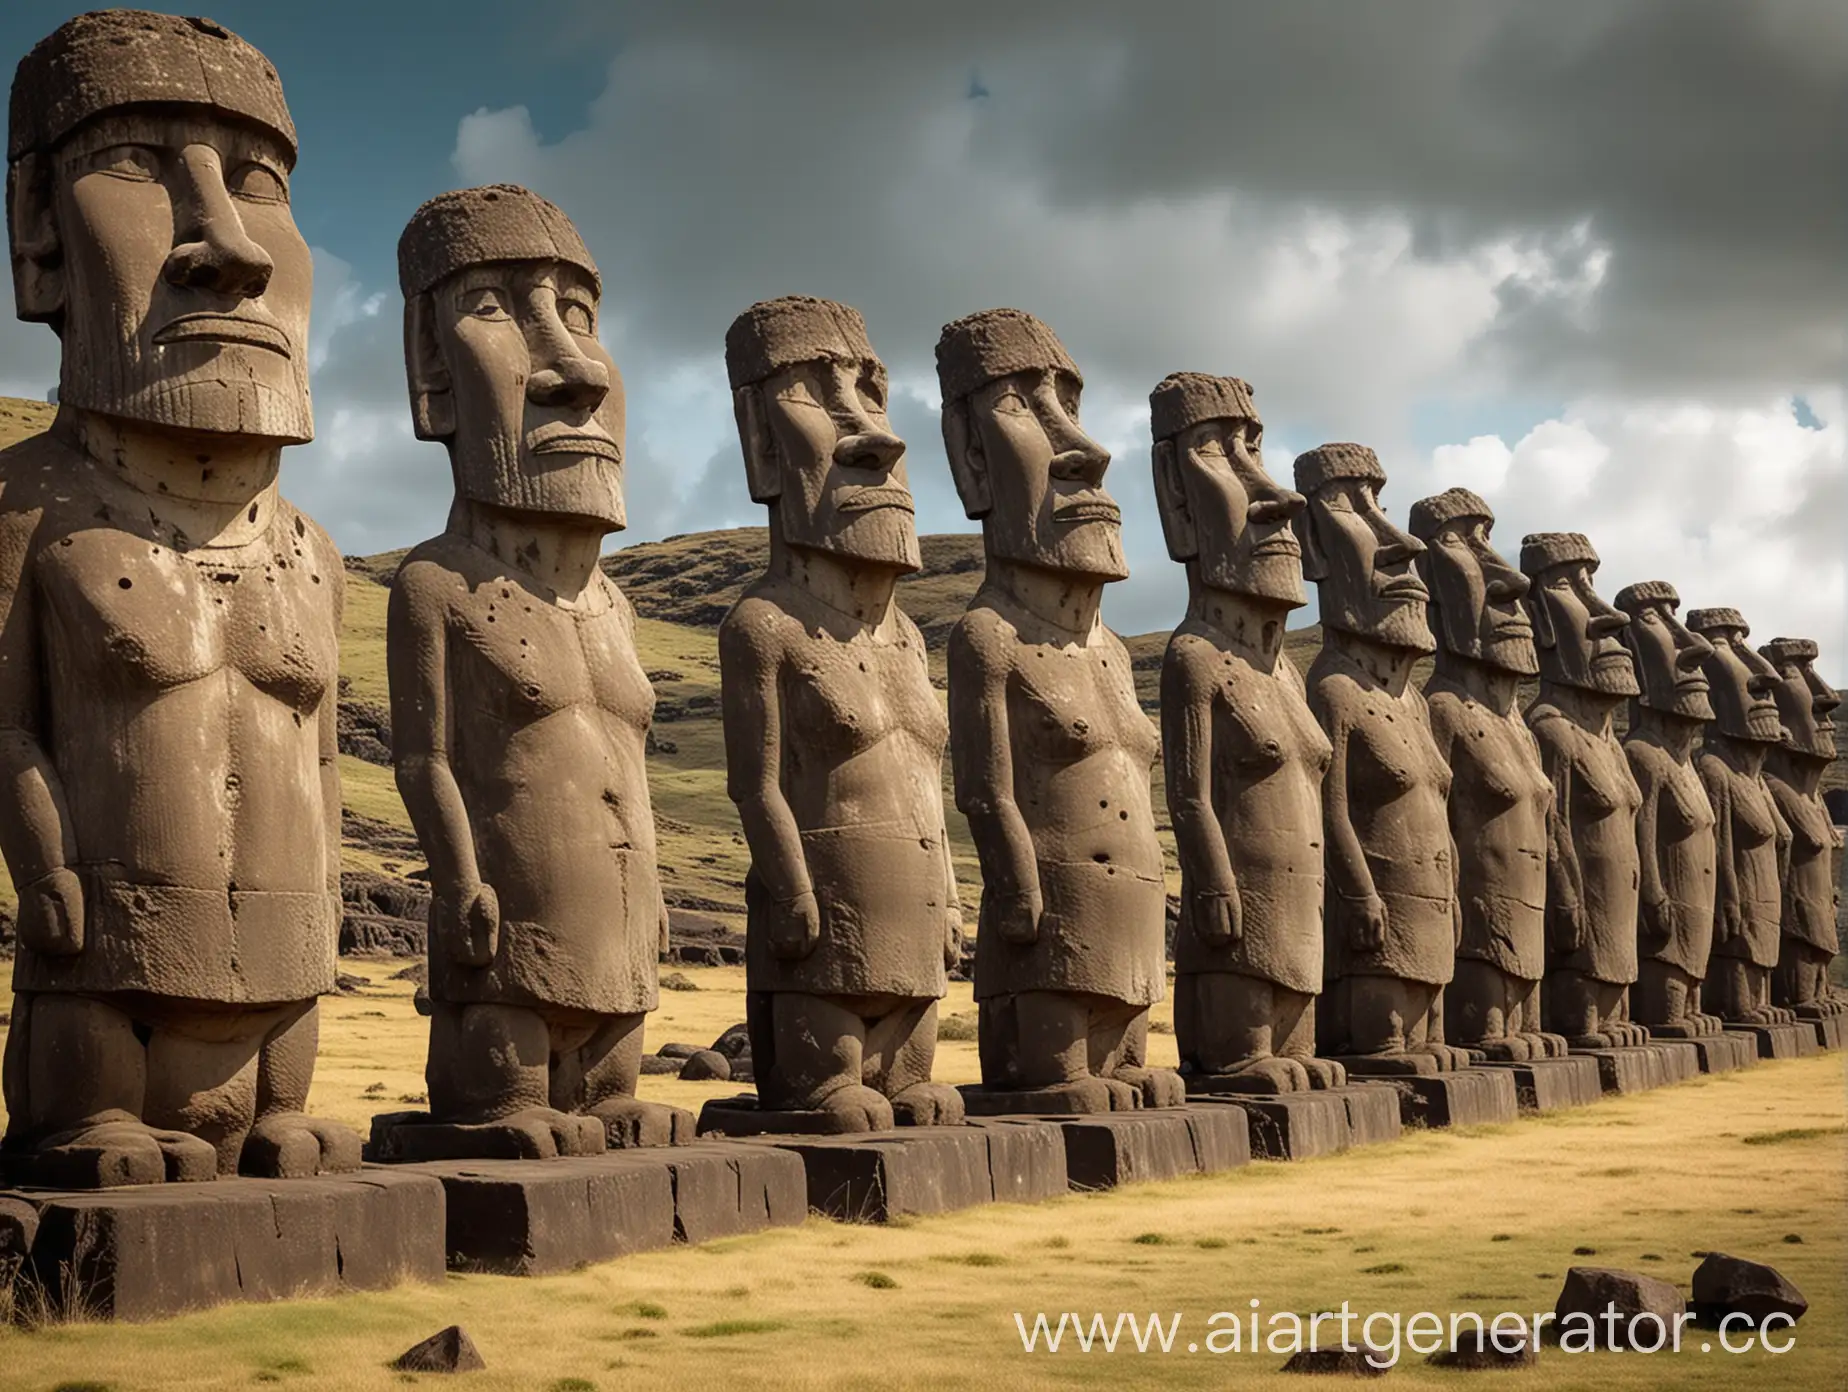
[
  {"x": 1568, "y": 927},
  {"x": 1731, "y": 922},
  {"x": 952, "y": 937},
  {"x": 1014, "y": 916},
  {"x": 51, "y": 914},
  {"x": 795, "y": 926},
  {"x": 1367, "y": 922},
  {"x": 1218, "y": 916},
  {"x": 1658, "y": 921},
  {"x": 468, "y": 926}
]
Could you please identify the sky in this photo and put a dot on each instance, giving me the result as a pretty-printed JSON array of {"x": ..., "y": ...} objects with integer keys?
[{"x": 1586, "y": 258}]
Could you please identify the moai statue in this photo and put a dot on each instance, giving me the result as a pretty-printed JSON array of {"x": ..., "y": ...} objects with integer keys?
[
  {"x": 1500, "y": 797},
  {"x": 1674, "y": 827},
  {"x": 1793, "y": 771},
  {"x": 1244, "y": 758},
  {"x": 519, "y": 709},
  {"x": 1751, "y": 834},
  {"x": 1392, "y": 918},
  {"x": 834, "y": 741},
  {"x": 169, "y": 625},
  {"x": 1050, "y": 749},
  {"x": 1592, "y": 862}
]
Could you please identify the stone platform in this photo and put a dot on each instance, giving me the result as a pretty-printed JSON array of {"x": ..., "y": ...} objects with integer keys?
[
  {"x": 1781, "y": 1041},
  {"x": 1724, "y": 1052},
  {"x": 873, "y": 1177},
  {"x": 1639, "y": 1067},
  {"x": 532, "y": 1217},
  {"x": 1475, "y": 1096},
  {"x": 1830, "y": 1030},
  {"x": 153, "y": 1251},
  {"x": 1303, "y": 1125},
  {"x": 1552, "y": 1084}
]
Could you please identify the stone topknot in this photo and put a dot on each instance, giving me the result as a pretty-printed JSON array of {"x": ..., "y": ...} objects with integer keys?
[
  {"x": 774, "y": 334},
  {"x": 107, "y": 59},
  {"x": 1183, "y": 399},
  {"x": 1326, "y": 463},
  {"x": 1632, "y": 598},
  {"x": 1430, "y": 514},
  {"x": 1780, "y": 650},
  {"x": 1544, "y": 550},
  {"x": 978, "y": 348},
  {"x": 474, "y": 226},
  {"x": 1707, "y": 620}
]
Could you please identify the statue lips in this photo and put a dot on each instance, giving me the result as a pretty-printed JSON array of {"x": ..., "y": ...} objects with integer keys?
[
  {"x": 1280, "y": 543},
  {"x": 1402, "y": 589},
  {"x": 208, "y": 326},
  {"x": 574, "y": 440},
  {"x": 867, "y": 499},
  {"x": 1512, "y": 628},
  {"x": 1091, "y": 505}
]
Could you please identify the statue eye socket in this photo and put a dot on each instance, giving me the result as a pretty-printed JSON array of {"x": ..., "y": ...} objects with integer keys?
[
  {"x": 133, "y": 162},
  {"x": 798, "y": 393},
  {"x": 1211, "y": 449},
  {"x": 577, "y": 317},
  {"x": 872, "y": 393},
  {"x": 258, "y": 183},
  {"x": 1012, "y": 403},
  {"x": 483, "y": 302}
]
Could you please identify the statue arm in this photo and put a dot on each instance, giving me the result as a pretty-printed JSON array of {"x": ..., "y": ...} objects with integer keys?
[
  {"x": 1347, "y": 861},
  {"x": 416, "y": 646},
  {"x": 1564, "y": 881},
  {"x": 981, "y": 758},
  {"x": 1651, "y": 888},
  {"x": 1727, "y": 919},
  {"x": 1187, "y": 761},
  {"x": 750, "y": 661},
  {"x": 37, "y": 837}
]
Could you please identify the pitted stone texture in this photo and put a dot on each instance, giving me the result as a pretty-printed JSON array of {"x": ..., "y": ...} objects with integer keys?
[
  {"x": 1726, "y": 1285},
  {"x": 1026, "y": 1158},
  {"x": 1549, "y": 1085},
  {"x": 1303, "y": 1125},
  {"x": 1466, "y": 1097},
  {"x": 1590, "y": 1291},
  {"x": 723, "y": 1189},
  {"x": 150, "y": 1253}
]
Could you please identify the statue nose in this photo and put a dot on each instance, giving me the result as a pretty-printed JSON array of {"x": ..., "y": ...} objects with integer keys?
[
  {"x": 211, "y": 250},
  {"x": 577, "y": 384},
  {"x": 869, "y": 449}
]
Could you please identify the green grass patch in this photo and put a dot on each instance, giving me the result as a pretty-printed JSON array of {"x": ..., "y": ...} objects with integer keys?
[{"x": 725, "y": 1329}]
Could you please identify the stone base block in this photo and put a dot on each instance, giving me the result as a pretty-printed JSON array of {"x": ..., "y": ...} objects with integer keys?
[
  {"x": 1781, "y": 1041},
  {"x": 744, "y": 1116},
  {"x": 152, "y": 1251},
  {"x": 1552, "y": 1084},
  {"x": 1722, "y": 1053},
  {"x": 1831, "y": 1030},
  {"x": 1303, "y": 1125},
  {"x": 872, "y": 1178},
  {"x": 533, "y": 1217},
  {"x": 1680, "y": 1059},
  {"x": 1098, "y": 1097},
  {"x": 1102, "y": 1152},
  {"x": 1463, "y": 1097},
  {"x": 1640, "y": 1067}
]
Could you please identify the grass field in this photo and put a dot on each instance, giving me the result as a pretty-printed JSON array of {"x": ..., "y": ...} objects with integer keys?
[{"x": 1488, "y": 1220}]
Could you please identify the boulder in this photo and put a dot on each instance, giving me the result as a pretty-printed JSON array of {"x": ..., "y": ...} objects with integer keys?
[
  {"x": 1349, "y": 1360},
  {"x": 735, "y": 1041},
  {"x": 1591, "y": 1291},
  {"x": 446, "y": 1351},
  {"x": 1477, "y": 1349},
  {"x": 1726, "y": 1285},
  {"x": 708, "y": 1065},
  {"x": 678, "y": 1051},
  {"x": 658, "y": 1064}
]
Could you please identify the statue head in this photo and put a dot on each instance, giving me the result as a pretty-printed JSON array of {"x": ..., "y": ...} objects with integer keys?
[
  {"x": 502, "y": 356},
  {"x": 809, "y": 395},
  {"x": 1221, "y": 513},
  {"x": 1475, "y": 594},
  {"x": 1578, "y": 633},
  {"x": 1805, "y": 702},
  {"x": 1021, "y": 462},
  {"x": 148, "y": 163},
  {"x": 1670, "y": 660},
  {"x": 1363, "y": 566},
  {"x": 1744, "y": 686}
]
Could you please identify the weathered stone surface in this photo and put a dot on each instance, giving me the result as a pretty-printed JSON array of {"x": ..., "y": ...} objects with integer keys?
[
  {"x": 446, "y": 1351},
  {"x": 1637, "y": 1068},
  {"x": 707, "y": 1065},
  {"x": 1724, "y": 1052},
  {"x": 1373, "y": 1112},
  {"x": 679, "y": 1051},
  {"x": 871, "y": 1178},
  {"x": 1591, "y": 1291},
  {"x": 533, "y": 1217},
  {"x": 1465, "y": 1097},
  {"x": 1026, "y": 1158},
  {"x": 1107, "y": 1150},
  {"x": 148, "y": 1253},
  {"x": 1830, "y": 1030},
  {"x": 18, "y": 1226},
  {"x": 1288, "y": 1126},
  {"x": 722, "y": 1189},
  {"x": 1477, "y": 1349},
  {"x": 1726, "y": 1285},
  {"x": 742, "y": 1116},
  {"x": 1781, "y": 1041},
  {"x": 1349, "y": 1360},
  {"x": 1549, "y": 1085}
]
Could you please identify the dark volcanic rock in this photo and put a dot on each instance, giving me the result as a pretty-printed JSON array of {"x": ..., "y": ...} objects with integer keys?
[
  {"x": 661, "y": 1065},
  {"x": 1726, "y": 1285},
  {"x": 447, "y": 1351},
  {"x": 706, "y": 1066},
  {"x": 1476, "y": 1349},
  {"x": 1349, "y": 1360},
  {"x": 734, "y": 1042},
  {"x": 1591, "y": 1291}
]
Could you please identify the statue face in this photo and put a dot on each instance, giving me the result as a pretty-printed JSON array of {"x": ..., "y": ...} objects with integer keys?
[
  {"x": 1579, "y": 633},
  {"x": 1370, "y": 585},
  {"x": 1669, "y": 661},
  {"x": 186, "y": 283},
  {"x": 1806, "y": 706},
  {"x": 1744, "y": 688},
  {"x": 840, "y": 482},
  {"x": 539, "y": 412},
  {"x": 1478, "y": 598},
  {"x": 1046, "y": 477},
  {"x": 1241, "y": 516}
]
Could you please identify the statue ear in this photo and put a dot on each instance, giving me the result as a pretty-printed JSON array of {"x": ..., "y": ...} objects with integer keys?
[
  {"x": 38, "y": 252},
  {"x": 433, "y": 403},
  {"x": 1542, "y": 619},
  {"x": 1177, "y": 524},
  {"x": 967, "y": 465},
  {"x": 761, "y": 474},
  {"x": 1315, "y": 563}
]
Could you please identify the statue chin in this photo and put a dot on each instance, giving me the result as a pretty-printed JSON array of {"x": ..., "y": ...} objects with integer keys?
[
  {"x": 883, "y": 537},
  {"x": 1516, "y": 655}
]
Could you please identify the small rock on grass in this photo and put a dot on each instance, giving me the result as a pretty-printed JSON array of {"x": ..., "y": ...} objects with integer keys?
[{"x": 447, "y": 1351}]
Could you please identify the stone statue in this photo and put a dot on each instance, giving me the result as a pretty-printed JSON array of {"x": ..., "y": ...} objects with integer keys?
[
  {"x": 1050, "y": 749},
  {"x": 1500, "y": 798},
  {"x": 1674, "y": 827},
  {"x": 1592, "y": 863},
  {"x": 169, "y": 625},
  {"x": 1751, "y": 835},
  {"x": 1793, "y": 771},
  {"x": 519, "y": 709},
  {"x": 1392, "y": 919},
  {"x": 834, "y": 739},
  {"x": 1244, "y": 758}
]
